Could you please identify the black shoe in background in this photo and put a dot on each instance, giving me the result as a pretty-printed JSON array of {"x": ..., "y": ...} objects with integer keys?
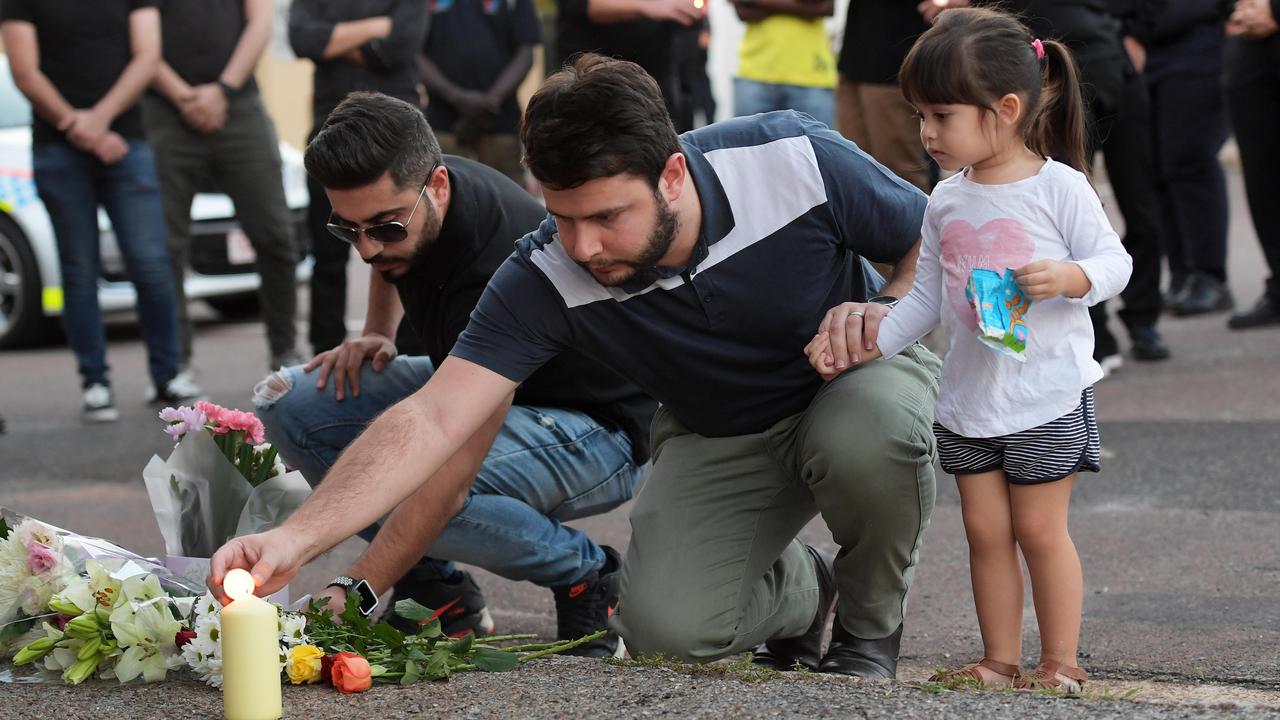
[
  {"x": 1172, "y": 297},
  {"x": 456, "y": 602},
  {"x": 1147, "y": 344},
  {"x": 806, "y": 649},
  {"x": 868, "y": 659},
  {"x": 585, "y": 607},
  {"x": 1204, "y": 294},
  {"x": 1264, "y": 313}
]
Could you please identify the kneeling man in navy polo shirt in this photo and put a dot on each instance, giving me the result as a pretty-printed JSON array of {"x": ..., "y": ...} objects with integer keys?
[{"x": 696, "y": 266}]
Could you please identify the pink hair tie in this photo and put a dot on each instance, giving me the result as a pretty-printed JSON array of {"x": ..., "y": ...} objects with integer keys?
[{"x": 1039, "y": 48}]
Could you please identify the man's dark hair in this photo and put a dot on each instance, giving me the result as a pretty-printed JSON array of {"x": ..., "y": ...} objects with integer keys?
[
  {"x": 597, "y": 118},
  {"x": 367, "y": 135}
]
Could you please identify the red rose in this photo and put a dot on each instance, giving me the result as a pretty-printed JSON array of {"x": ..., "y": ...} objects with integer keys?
[
  {"x": 351, "y": 673},
  {"x": 183, "y": 637},
  {"x": 326, "y": 668}
]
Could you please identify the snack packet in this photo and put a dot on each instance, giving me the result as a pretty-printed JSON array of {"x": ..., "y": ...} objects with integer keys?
[{"x": 1001, "y": 307}]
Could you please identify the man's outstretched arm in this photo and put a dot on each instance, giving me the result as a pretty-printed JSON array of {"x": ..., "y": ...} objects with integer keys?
[
  {"x": 416, "y": 523},
  {"x": 409, "y": 442}
]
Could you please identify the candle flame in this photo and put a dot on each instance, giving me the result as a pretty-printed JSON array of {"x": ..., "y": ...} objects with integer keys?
[
  {"x": 238, "y": 584},
  {"x": 698, "y": 3}
]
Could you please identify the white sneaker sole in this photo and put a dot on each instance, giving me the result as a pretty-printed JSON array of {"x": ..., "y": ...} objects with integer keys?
[{"x": 102, "y": 415}]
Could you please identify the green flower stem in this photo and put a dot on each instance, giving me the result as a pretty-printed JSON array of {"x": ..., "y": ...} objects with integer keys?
[
  {"x": 561, "y": 647},
  {"x": 490, "y": 639}
]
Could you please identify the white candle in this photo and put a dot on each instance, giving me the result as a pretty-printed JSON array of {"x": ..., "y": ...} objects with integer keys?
[{"x": 250, "y": 653}]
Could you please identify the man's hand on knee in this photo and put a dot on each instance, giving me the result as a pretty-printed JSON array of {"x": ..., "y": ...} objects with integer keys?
[
  {"x": 344, "y": 361},
  {"x": 846, "y": 337}
]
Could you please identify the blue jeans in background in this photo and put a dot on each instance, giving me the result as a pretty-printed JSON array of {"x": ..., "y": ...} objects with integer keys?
[
  {"x": 546, "y": 465},
  {"x": 72, "y": 184},
  {"x": 751, "y": 97}
]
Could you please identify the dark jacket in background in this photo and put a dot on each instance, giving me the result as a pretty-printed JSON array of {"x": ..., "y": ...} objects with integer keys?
[
  {"x": 390, "y": 63},
  {"x": 1088, "y": 27},
  {"x": 877, "y": 36}
]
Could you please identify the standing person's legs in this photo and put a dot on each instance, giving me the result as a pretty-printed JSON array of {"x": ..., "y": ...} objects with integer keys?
[
  {"x": 851, "y": 116},
  {"x": 182, "y": 161},
  {"x": 1128, "y": 151},
  {"x": 894, "y": 133},
  {"x": 66, "y": 181},
  {"x": 751, "y": 97},
  {"x": 1253, "y": 101},
  {"x": 131, "y": 195},
  {"x": 328, "y": 314},
  {"x": 501, "y": 151},
  {"x": 248, "y": 168},
  {"x": 1102, "y": 84},
  {"x": 1196, "y": 187},
  {"x": 865, "y": 447},
  {"x": 818, "y": 102}
]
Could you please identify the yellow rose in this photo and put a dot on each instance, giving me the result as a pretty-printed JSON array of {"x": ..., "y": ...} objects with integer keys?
[{"x": 304, "y": 664}]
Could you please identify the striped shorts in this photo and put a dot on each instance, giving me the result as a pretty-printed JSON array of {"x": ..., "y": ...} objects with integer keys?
[{"x": 1042, "y": 454}]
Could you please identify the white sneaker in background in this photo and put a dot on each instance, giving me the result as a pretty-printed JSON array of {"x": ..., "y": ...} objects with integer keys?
[{"x": 98, "y": 407}]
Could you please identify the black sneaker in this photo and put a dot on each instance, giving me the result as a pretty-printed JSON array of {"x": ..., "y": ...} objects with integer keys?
[
  {"x": 458, "y": 604},
  {"x": 806, "y": 649},
  {"x": 1204, "y": 294},
  {"x": 1148, "y": 346},
  {"x": 586, "y": 606},
  {"x": 1264, "y": 313}
]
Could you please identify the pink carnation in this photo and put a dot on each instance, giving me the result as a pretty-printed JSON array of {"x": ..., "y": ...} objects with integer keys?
[
  {"x": 216, "y": 415},
  {"x": 248, "y": 422},
  {"x": 40, "y": 558}
]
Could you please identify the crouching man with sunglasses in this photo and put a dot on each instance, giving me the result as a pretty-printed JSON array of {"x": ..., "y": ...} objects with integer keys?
[{"x": 571, "y": 442}]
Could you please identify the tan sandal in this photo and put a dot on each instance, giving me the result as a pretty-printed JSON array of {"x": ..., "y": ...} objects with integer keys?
[
  {"x": 971, "y": 674},
  {"x": 1053, "y": 675}
]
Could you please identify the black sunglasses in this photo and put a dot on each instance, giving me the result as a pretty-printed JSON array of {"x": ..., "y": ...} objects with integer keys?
[{"x": 385, "y": 233}]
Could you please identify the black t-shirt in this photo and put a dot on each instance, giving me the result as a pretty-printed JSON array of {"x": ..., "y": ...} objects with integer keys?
[
  {"x": 200, "y": 37},
  {"x": 390, "y": 63},
  {"x": 877, "y": 36},
  {"x": 487, "y": 213},
  {"x": 471, "y": 41},
  {"x": 84, "y": 48},
  {"x": 647, "y": 43}
]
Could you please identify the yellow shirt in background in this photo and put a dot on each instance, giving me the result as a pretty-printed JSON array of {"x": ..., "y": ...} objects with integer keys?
[{"x": 787, "y": 50}]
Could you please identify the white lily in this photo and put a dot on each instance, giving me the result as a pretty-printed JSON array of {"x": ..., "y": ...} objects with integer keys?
[{"x": 99, "y": 589}]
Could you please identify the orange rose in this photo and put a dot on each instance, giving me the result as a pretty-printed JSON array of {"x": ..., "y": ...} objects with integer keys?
[{"x": 351, "y": 673}]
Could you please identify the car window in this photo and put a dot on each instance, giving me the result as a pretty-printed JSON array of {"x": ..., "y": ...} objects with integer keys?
[{"x": 15, "y": 111}]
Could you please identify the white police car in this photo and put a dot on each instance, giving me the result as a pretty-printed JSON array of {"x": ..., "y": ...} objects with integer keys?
[{"x": 221, "y": 271}]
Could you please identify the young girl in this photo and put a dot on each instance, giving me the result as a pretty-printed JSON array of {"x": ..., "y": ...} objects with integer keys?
[{"x": 1004, "y": 109}]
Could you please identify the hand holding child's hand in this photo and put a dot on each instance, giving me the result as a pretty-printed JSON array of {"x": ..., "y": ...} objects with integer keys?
[
  {"x": 1045, "y": 279},
  {"x": 819, "y": 353}
]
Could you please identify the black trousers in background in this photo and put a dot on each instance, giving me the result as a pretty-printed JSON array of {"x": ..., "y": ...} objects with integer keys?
[
  {"x": 1120, "y": 125},
  {"x": 1190, "y": 120},
  {"x": 1252, "y": 84},
  {"x": 329, "y": 275},
  {"x": 243, "y": 158}
]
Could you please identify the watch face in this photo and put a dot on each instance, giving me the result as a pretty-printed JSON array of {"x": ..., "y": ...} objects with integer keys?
[{"x": 368, "y": 600}]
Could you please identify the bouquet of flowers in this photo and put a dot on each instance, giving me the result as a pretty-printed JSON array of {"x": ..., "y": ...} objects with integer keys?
[
  {"x": 76, "y": 607},
  {"x": 222, "y": 480},
  {"x": 84, "y": 605},
  {"x": 32, "y": 570}
]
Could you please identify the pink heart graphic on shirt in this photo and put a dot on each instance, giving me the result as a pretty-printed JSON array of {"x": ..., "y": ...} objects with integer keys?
[{"x": 998, "y": 244}]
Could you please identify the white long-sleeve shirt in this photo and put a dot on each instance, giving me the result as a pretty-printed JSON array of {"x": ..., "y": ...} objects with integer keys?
[{"x": 1054, "y": 215}]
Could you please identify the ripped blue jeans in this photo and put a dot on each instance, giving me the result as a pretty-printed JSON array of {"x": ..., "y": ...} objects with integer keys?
[{"x": 547, "y": 465}]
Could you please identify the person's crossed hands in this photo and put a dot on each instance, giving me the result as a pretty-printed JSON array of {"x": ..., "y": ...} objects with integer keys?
[
  {"x": 344, "y": 361},
  {"x": 1252, "y": 19}
]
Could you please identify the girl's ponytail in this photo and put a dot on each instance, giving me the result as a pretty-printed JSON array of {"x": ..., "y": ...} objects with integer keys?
[{"x": 1057, "y": 130}]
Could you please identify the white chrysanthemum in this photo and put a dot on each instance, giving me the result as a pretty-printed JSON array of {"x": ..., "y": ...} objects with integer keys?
[
  {"x": 204, "y": 653},
  {"x": 292, "y": 629}
]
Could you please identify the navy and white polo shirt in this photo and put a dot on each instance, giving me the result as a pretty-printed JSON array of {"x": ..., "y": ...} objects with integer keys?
[{"x": 790, "y": 209}]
